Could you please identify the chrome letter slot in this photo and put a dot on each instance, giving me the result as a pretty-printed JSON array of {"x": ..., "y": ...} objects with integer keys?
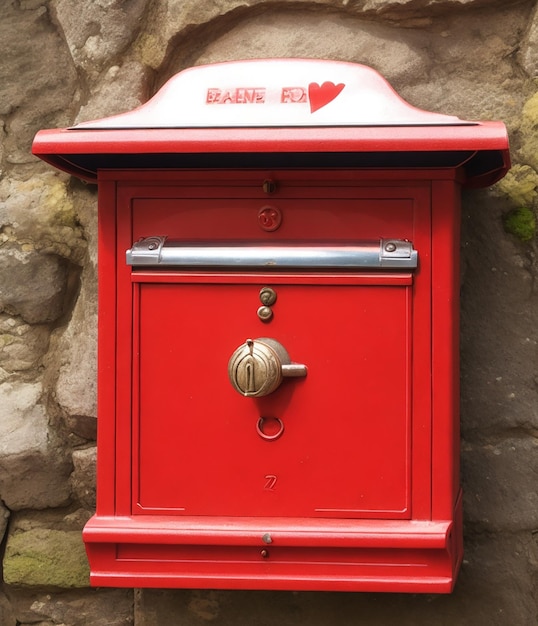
[{"x": 367, "y": 255}]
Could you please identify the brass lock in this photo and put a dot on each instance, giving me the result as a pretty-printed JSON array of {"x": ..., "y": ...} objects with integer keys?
[{"x": 258, "y": 367}]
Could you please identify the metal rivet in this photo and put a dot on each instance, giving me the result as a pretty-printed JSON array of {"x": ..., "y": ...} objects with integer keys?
[
  {"x": 265, "y": 313},
  {"x": 264, "y": 554},
  {"x": 267, "y": 296},
  {"x": 390, "y": 247},
  {"x": 267, "y": 538}
]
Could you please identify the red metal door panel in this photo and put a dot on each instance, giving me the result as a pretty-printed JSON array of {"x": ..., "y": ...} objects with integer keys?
[{"x": 345, "y": 450}]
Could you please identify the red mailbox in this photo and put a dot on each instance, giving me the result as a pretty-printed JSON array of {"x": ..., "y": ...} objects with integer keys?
[{"x": 278, "y": 330}]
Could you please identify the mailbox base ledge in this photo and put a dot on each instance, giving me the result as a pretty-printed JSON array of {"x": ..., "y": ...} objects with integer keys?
[{"x": 291, "y": 554}]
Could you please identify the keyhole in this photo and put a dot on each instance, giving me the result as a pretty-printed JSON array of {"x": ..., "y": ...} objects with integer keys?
[{"x": 250, "y": 382}]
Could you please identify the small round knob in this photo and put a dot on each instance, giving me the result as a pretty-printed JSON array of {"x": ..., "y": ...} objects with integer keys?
[
  {"x": 267, "y": 296},
  {"x": 265, "y": 313}
]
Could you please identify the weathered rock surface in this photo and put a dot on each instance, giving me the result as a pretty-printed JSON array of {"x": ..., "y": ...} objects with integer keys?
[
  {"x": 37, "y": 81},
  {"x": 32, "y": 285},
  {"x": 39, "y": 214},
  {"x": 46, "y": 558},
  {"x": 76, "y": 352},
  {"x": 499, "y": 322},
  {"x": 83, "y": 476},
  {"x": 4, "y": 517},
  {"x": 45, "y": 549},
  {"x": 22, "y": 345},
  {"x": 91, "y": 607},
  {"x": 97, "y": 32},
  {"x": 7, "y": 614},
  {"x": 500, "y": 484},
  {"x": 33, "y": 472}
]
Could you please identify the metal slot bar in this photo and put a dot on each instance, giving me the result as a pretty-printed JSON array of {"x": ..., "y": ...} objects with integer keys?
[{"x": 379, "y": 254}]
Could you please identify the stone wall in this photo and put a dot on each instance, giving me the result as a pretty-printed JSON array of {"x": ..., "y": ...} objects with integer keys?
[{"x": 65, "y": 61}]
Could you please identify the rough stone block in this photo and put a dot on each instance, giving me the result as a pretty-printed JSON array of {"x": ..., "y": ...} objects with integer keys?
[
  {"x": 83, "y": 426},
  {"x": 528, "y": 52},
  {"x": 21, "y": 345},
  {"x": 4, "y": 517},
  {"x": 499, "y": 323},
  {"x": 46, "y": 558},
  {"x": 83, "y": 476},
  {"x": 33, "y": 473},
  {"x": 500, "y": 484},
  {"x": 88, "y": 607},
  {"x": 75, "y": 355},
  {"x": 32, "y": 285},
  {"x": 37, "y": 76},
  {"x": 99, "y": 31},
  {"x": 7, "y": 615},
  {"x": 376, "y": 45},
  {"x": 40, "y": 212},
  {"x": 119, "y": 89}
]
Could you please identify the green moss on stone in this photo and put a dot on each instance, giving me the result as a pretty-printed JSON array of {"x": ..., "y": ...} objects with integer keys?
[
  {"x": 150, "y": 50},
  {"x": 521, "y": 223},
  {"x": 520, "y": 185},
  {"x": 6, "y": 340},
  {"x": 528, "y": 131},
  {"x": 46, "y": 558}
]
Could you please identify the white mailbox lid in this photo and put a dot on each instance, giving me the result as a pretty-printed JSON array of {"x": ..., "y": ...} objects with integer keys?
[
  {"x": 279, "y": 113},
  {"x": 275, "y": 92}
]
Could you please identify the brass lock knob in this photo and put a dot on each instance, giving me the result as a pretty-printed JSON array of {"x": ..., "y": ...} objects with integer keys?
[{"x": 258, "y": 366}]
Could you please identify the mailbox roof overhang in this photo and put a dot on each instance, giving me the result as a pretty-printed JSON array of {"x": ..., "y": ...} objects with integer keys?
[{"x": 306, "y": 114}]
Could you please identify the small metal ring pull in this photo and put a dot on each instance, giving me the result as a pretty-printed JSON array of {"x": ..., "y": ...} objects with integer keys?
[{"x": 263, "y": 434}]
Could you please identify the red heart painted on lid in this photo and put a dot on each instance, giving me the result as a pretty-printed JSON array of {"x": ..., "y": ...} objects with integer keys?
[{"x": 320, "y": 96}]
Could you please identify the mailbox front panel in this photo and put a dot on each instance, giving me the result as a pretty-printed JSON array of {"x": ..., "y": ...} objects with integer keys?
[
  {"x": 325, "y": 481},
  {"x": 344, "y": 450}
]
